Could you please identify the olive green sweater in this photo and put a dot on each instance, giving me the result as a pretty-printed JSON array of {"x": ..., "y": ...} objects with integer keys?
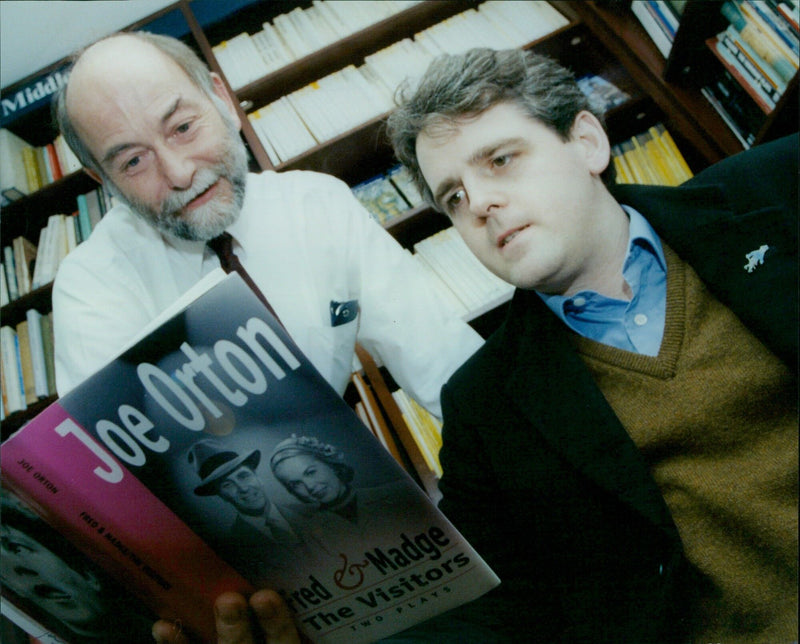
[{"x": 715, "y": 416}]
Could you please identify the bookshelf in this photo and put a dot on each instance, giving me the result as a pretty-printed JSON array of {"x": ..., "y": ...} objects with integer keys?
[
  {"x": 674, "y": 83},
  {"x": 600, "y": 38}
]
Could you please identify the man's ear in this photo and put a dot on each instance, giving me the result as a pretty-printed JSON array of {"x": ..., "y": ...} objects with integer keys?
[
  {"x": 590, "y": 134},
  {"x": 221, "y": 90}
]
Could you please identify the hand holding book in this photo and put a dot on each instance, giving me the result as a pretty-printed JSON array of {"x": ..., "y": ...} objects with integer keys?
[{"x": 235, "y": 618}]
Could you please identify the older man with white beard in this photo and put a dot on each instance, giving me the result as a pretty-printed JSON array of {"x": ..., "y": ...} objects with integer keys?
[{"x": 148, "y": 120}]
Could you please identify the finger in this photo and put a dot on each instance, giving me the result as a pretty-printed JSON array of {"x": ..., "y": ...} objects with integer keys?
[
  {"x": 169, "y": 632},
  {"x": 274, "y": 617},
  {"x": 232, "y": 619}
]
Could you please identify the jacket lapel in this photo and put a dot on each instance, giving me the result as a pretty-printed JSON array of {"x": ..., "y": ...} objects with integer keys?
[
  {"x": 555, "y": 391},
  {"x": 705, "y": 230}
]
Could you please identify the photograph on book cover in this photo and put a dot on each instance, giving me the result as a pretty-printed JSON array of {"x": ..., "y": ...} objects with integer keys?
[
  {"x": 219, "y": 417},
  {"x": 54, "y": 586}
]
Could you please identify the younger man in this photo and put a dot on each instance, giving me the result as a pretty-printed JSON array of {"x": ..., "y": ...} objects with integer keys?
[{"x": 623, "y": 450}]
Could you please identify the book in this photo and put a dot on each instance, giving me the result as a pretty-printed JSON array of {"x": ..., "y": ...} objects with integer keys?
[
  {"x": 737, "y": 70},
  {"x": 24, "y": 259},
  {"x": 26, "y": 363},
  {"x": 139, "y": 467},
  {"x": 12, "y": 370},
  {"x": 11, "y": 272},
  {"x": 649, "y": 18},
  {"x": 381, "y": 199},
  {"x": 57, "y": 594},
  {"x": 38, "y": 360},
  {"x": 13, "y": 178}
]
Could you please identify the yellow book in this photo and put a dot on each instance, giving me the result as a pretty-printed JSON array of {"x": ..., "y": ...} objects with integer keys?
[
  {"x": 31, "y": 169},
  {"x": 621, "y": 166},
  {"x": 26, "y": 363},
  {"x": 665, "y": 138}
]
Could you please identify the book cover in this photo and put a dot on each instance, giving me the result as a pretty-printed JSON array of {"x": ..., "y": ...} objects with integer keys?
[
  {"x": 55, "y": 593},
  {"x": 211, "y": 456}
]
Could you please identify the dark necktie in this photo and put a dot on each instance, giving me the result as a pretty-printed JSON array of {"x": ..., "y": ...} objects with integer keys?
[{"x": 223, "y": 247}]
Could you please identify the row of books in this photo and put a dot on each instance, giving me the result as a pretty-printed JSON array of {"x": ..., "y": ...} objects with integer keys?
[
  {"x": 354, "y": 95},
  {"x": 459, "y": 278},
  {"x": 25, "y": 168},
  {"x": 660, "y": 19},
  {"x": 650, "y": 158},
  {"x": 290, "y": 36},
  {"x": 388, "y": 195},
  {"x": 759, "y": 52},
  {"x": 27, "y": 368},
  {"x": 27, "y": 266}
]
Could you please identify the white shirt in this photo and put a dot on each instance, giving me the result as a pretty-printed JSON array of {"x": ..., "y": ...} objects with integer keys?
[{"x": 306, "y": 242}]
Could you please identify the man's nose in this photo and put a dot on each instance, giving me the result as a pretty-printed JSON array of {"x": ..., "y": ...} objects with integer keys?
[
  {"x": 177, "y": 168},
  {"x": 485, "y": 198}
]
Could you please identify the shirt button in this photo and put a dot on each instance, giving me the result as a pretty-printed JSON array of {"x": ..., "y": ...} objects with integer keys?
[
  {"x": 640, "y": 319},
  {"x": 579, "y": 301}
]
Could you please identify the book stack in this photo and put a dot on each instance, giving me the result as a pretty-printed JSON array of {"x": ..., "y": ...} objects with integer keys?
[
  {"x": 458, "y": 276},
  {"x": 759, "y": 54},
  {"x": 297, "y": 33},
  {"x": 27, "y": 368},
  {"x": 26, "y": 266},
  {"x": 345, "y": 99},
  {"x": 660, "y": 19},
  {"x": 25, "y": 168},
  {"x": 650, "y": 158}
]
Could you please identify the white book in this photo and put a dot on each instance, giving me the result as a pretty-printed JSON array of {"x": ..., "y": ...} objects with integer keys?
[
  {"x": 66, "y": 157},
  {"x": 339, "y": 27},
  {"x": 265, "y": 125},
  {"x": 255, "y": 120},
  {"x": 312, "y": 111},
  {"x": 12, "y": 168},
  {"x": 273, "y": 50},
  {"x": 41, "y": 253},
  {"x": 34, "y": 319},
  {"x": 248, "y": 58},
  {"x": 326, "y": 32},
  {"x": 306, "y": 29},
  {"x": 513, "y": 33},
  {"x": 292, "y": 133},
  {"x": 70, "y": 233},
  {"x": 440, "y": 287},
  {"x": 288, "y": 32},
  {"x": 429, "y": 249},
  {"x": 12, "y": 370}
]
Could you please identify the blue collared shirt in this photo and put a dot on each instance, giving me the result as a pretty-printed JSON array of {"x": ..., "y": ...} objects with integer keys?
[{"x": 638, "y": 325}]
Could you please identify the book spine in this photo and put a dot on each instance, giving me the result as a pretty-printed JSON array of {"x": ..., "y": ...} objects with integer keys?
[
  {"x": 730, "y": 63},
  {"x": 751, "y": 69},
  {"x": 55, "y": 466}
]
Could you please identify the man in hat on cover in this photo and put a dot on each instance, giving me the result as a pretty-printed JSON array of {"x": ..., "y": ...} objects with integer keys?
[{"x": 263, "y": 536}]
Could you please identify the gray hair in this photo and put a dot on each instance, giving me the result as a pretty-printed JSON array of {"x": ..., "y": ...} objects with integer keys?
[
  {"x": 180, "y": 53},
  {"x": 466, "y": 85}
]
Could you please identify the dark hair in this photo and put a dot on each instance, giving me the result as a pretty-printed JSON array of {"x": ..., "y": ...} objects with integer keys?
[{"x": 468, "y": 84}]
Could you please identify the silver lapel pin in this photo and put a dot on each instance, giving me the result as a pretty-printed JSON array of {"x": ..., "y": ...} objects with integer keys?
[{"x": 755, "y": 257}]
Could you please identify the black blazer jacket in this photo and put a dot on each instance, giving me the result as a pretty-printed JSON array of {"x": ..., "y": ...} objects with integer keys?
[{"x": 540, "y": 475}]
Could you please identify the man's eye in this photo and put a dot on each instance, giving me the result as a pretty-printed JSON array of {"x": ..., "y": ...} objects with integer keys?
[
  {"x": 455, "y": 200},
  {"x": 502, "y": 160},
  {"x": 131, "y": 163},
  {"x": 183, "y": 128}
]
